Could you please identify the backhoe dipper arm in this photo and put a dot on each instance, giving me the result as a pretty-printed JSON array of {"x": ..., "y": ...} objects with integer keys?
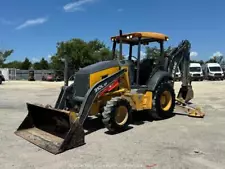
[{"x": 180, "y": 57}]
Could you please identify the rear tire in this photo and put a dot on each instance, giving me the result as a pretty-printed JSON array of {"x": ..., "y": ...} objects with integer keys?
[
  {"x": 163, "y": 101},
  {"x": 117, "y": 114},
  {"x": 0, "y": 80}
]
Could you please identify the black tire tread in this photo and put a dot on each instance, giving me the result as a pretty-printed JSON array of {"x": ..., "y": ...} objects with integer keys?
[
  {"x": 108, "y": 114},
  {"x": 156, "y": 111}
]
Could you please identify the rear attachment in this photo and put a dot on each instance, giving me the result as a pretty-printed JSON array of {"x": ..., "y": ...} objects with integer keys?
[
  {"x": 182, "y": 101},
  {"x": 190, "y": 109}
]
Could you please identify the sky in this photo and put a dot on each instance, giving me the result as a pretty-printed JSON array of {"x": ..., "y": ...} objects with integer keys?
[{"x": 33, "y": 28}]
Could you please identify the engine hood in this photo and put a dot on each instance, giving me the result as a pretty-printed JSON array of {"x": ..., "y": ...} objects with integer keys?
[{"x": 96, "y": 67}]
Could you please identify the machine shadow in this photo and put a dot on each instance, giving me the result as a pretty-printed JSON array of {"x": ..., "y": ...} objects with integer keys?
[
  {"x": 181, "y": 114},
  {"x": 138, "y": 118},
  {"x": 92, "y": 125}
]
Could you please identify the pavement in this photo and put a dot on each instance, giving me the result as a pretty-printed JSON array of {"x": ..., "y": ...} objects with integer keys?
[{"x": 180, "y": 142}]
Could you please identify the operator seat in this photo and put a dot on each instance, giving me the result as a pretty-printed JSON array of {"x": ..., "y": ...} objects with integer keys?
[
  {"x": 132, "y": 72},
  {"x": 146, "y": 67}
]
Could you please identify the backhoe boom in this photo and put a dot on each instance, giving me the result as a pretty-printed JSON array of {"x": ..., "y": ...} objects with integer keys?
[{"x": 180, "y": 57}]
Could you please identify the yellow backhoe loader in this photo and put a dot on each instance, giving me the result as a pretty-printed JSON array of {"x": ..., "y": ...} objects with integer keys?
[{"x": 114, "y": 89}]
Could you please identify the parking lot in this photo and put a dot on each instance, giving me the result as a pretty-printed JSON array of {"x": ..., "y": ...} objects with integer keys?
[{"x": 180, "y": 142}]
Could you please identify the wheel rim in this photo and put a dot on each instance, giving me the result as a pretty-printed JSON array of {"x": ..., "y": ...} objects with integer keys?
[
  {"x": 166, "y": 100},
  {"x": 121, "y": 115}
]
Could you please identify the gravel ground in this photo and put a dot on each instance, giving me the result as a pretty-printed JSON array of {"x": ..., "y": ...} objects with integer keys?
[{"x": 180, "y": 142}]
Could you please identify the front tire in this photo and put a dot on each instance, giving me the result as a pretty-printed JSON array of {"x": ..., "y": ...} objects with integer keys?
[
  {"x": 117, "y": 114},
  {"x": 163, "y": 101}
]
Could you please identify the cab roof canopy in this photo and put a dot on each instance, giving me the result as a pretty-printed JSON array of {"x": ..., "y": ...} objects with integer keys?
[{"x": 146, "y": 37}]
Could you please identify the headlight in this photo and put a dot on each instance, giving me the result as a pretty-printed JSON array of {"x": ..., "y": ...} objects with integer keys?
[
  {"x": 129, "y": 36},
  {"x": 211, "y": 74}
]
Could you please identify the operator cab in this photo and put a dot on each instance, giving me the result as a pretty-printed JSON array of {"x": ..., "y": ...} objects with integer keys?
[{"x": 139, "y": 70}]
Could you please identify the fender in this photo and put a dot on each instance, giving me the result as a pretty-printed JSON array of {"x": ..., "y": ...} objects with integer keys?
[{"x": 157, "y": 78}]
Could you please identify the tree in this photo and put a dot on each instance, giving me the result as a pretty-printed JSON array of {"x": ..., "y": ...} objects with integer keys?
[
  {"x": 75, "y": 50},
  {"x": 42, "y": 65},
  {"x": 96, "y": 45},
  {"x": 201, "y": 62},
  {"x": 13, "y": 64},
  {"x": 154, "y": 52},
  {"x": 102, "y": 55},
  {"x": 79, "y": 53},
  {"x": 211, "y": 60},
  {"x": 37, "y": 66},
  {"x": 4, "y": 55},
  {"x": 216, "y": 59},
  {"x": 26, "y": 64},
  {"x": 99, "y": 51},
  {"x": 56, "y": 63},
  {"x": 197, "y": 61}
]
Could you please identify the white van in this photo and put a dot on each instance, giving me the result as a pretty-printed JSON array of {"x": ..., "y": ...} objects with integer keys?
[
  {"x": 213, "y": 71},
  {"x": 196, "y": 72}
]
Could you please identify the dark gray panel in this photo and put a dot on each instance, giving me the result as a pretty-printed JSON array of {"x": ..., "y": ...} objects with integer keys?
[{"x": 81, "y": 83}]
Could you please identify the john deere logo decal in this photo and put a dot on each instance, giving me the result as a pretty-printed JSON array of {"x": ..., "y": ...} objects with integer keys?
[{"x": 100, "y": 87}]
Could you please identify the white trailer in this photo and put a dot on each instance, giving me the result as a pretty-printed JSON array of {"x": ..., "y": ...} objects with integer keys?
[{"x": 5, "y": 73}]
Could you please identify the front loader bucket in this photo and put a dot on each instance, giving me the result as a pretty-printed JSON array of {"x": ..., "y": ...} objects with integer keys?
[{"x": 51, "y": 129}]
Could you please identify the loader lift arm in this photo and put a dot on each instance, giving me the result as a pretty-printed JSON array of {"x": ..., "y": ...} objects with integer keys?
[
  {"x": 57, "y": 130},
  {"x": 77, "y": 122},
  {"x": 90, "y": 96},
  {"x": 94, "y": 92}
]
